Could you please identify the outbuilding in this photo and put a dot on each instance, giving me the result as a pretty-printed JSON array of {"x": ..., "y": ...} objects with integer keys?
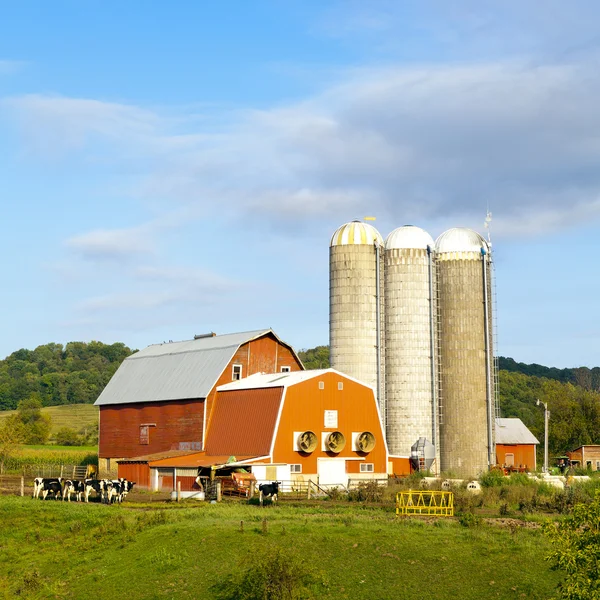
[
  {"x": 587, "y": 457},
  {"x": 515, "y": 445},
  {"x": 161, "y": 398}
]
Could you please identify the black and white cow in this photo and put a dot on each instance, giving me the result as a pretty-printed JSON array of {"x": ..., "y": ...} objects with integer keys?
[
  {"x": 268, "y": 490},
  {"x": 47, "y": 485},
  {"x": 127, "y": 487},
  {"x": 73, "y": 486},
  {"x": 95, "y": 485}
]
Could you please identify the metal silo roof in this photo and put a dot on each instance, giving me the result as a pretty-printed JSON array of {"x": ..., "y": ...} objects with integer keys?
[
  {"x": 460, "y": 239},
  {"x": 408, "y": 236},
  {"x": 356, "y": 233},
  {"x": 175, "y": 370}
]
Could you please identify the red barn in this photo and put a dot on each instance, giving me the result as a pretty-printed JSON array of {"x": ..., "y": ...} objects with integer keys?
[{"x": 161, "y": 398}]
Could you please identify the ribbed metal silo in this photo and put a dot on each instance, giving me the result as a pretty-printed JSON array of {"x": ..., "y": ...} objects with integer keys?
[
  {"x": 410, "y": 340},
  {"x": 356, "y": 305},
  {"x": 466, "y": 373}
]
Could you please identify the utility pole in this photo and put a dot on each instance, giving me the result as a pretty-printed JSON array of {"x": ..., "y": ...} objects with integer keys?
[{"x": 546, "y": 417}]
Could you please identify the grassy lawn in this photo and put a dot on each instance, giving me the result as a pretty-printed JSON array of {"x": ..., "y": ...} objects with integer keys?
[
  {"x": 74, "y": 416},
  {"x": 53, "y": 549}
]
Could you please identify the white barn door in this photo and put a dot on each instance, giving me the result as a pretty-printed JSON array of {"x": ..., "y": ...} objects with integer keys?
[{"x": 332, "y": 471}]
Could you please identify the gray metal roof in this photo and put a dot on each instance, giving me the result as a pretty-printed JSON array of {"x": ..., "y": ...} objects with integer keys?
[
  {"x": 513, "y": 431},
  {"x": 175, "y": 370}
]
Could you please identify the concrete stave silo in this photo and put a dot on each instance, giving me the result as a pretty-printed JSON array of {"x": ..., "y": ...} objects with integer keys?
[
  {"x": 356, "y": 311},
  {"x": 410, "y": 340},
  {"x": 466, "y": 375}
]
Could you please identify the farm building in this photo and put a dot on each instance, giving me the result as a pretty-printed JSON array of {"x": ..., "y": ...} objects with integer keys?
[
  {"x": 587, "y": 457},
  {"x": 161, "y": 398},
  {"x": 316, "y": 425},
  {"x": 515, "y": 445}
]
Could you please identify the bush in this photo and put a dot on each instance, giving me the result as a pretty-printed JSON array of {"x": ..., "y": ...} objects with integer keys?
[
  {"x": 368, "y": 491},
  {"x": 493, "y": 478},
  {"x": 274, "y": 574},
  {"x": 67, "y": 437}
]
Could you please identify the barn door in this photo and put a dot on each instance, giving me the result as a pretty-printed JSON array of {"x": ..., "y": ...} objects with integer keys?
[{"x": 332, "y": 471}]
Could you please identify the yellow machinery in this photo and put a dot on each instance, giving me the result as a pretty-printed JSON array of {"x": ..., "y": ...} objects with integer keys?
[{"x": 425, "y": 502}]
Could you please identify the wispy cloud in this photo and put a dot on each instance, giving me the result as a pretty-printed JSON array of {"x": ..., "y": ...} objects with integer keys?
[{"x": 8, "y": 67}]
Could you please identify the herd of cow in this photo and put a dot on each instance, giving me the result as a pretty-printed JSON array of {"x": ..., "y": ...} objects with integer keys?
[{"x": 109, "y": 490}]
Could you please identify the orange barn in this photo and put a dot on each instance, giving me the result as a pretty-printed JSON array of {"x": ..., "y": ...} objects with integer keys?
[
  {"x": 515, "y": 445},
  {"x": 316, "y": 425}
]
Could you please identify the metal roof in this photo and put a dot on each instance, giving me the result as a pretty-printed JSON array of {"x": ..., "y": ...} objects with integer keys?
[
  {"x": 409, "y": 236},
  {"x": 513, "y": 431},
  {"x": 175, "y": 370},
  {"x": 201, "y": 459},
  {"x": 269, "y": 380},
  {"x": 356, "y": 233},
  {"x": 460, "y": 239},
  {"x": 243, "y": 422}
]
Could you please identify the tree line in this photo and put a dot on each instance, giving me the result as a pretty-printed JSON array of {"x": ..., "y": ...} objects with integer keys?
[{"x": 55, "y": 374}]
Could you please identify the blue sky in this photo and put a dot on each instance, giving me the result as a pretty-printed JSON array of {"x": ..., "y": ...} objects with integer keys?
[{"x": 175, "y": 168}]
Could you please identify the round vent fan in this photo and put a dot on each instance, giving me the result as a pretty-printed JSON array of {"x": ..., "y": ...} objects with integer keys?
[
  {"x": 335, "y": 442},
  {"x": 307, "y": 441},
  {"x": 365, "y": 442}
]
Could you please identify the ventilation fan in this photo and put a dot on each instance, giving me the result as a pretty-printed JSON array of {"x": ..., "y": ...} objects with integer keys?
[
  {"x": 335, "y": 442},
  {"x": 307, "y": 441},
  {"x": 365, "y": 442}
]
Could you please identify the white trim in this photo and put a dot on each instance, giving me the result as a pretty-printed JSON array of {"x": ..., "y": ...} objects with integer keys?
[
  {"x": 233, "y": 366},
  {"x": 276, "y": 428},
  {"x": 204, "y": 423}
]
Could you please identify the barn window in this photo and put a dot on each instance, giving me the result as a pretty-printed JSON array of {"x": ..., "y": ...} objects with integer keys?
[
  {"x": 340, "y": 385},
  {"x": 509, "y": 459},
  {"x": 237, "y": 373},
  {"x": 286, "y": 369},
  {"x": 295, "y": 468},
  {"x": 144, "y": 434},
  {"x": 321, "y": 385},
  {"x": 366, "y": 467}
]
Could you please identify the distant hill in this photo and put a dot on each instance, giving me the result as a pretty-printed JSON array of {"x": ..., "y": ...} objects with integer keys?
[{"x": 57, "y": 375}]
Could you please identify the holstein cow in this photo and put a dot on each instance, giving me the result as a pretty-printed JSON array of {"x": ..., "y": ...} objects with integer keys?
[
  {"x": 117, "y": 489},
  {"x": 95, "y": 485},
  {"x": 73, "y": 486},
  {"x": 269, "y": 490},
  {"x": 47, "y": 485}
]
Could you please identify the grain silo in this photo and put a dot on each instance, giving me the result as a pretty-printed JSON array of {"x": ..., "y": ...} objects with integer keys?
[
  {"x": 356, "y": 305},
  {"x": 466, "y": 373},
  {"x": 410, "y": 340}
]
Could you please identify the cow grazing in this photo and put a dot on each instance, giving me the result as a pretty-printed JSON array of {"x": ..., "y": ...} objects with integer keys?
[
  {"x": 268, "y": 490},
  {"x": 47, "y": 485}
]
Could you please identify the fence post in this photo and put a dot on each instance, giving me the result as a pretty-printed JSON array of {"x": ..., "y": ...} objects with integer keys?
[
  {"x": 22, "y": 486},
  {"x": 252, "y": 489},
  {"x": 178, "y": 491},
  {"x": 308, "y": 489},
  {"x": 218, "y": 490}
]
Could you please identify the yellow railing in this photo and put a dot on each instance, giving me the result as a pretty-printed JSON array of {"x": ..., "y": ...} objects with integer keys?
[{"x": 435, "y": 504}]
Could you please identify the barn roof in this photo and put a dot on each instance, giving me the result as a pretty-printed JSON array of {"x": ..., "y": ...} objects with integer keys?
[
  {"x": 513, "y": 431},
  {"x": 201, "y": 459},
  {"x": 269, "y": 380},
  {"x": 175, "y": 370}
]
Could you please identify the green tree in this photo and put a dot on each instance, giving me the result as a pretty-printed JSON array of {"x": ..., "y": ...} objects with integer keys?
[
  {"x": 12, "y": 435},
  {"x": 66, "y": 436},
  {"x": 576, "y": 551},
  {"x": 36, "y": 425}
]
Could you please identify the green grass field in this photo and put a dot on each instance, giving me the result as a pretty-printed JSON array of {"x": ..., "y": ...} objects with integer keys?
[
  {"x": 74, "y": 416},
  {"x": 58, "y": 550}
]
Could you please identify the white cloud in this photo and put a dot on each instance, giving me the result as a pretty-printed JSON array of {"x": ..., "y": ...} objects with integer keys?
[{"x": 409, "y": 144}]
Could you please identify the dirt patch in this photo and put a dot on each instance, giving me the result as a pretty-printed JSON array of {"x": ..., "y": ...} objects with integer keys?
[{"x": 512, "y": 523}]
